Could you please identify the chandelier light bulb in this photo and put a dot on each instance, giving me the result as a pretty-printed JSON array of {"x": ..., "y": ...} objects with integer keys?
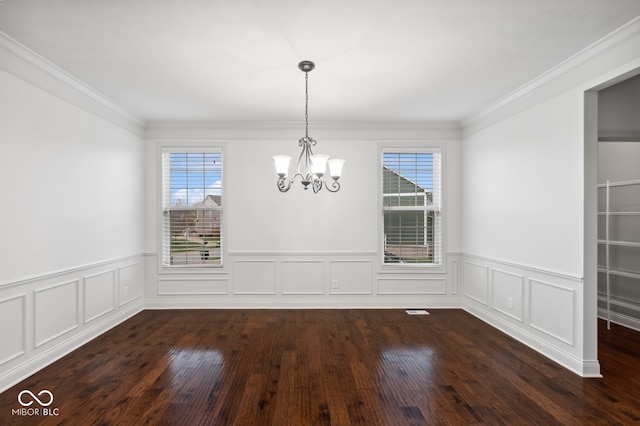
[
  {"x": 281, "y": 162},
  {"x": 319, "y": 164},
  {"x": 335, "y": 167}
]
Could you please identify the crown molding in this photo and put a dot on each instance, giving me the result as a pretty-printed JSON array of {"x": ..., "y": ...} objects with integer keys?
[
  {"x": 553, "y": 81},
  {"x": 294, "y": 130},
  {"x": 27, "y": 65},
  {"x": 300, "y": 125}
]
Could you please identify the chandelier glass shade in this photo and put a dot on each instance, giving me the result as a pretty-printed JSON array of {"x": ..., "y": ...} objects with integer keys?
[{"x": 311, "y": 167}]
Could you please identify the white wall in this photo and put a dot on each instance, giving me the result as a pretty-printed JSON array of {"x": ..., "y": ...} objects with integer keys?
[
  {"x": 619, "y": 161},
  {"x": 72, "y": 222},
  {"x": 263, "y": 220},
  {"x": 528, "y": 179},
  {"x": 522, "y": 187},
  {"x": 618, "y": 111},
  {"x": 73, "y": 185},
  {"x": 276, "y": 243}
]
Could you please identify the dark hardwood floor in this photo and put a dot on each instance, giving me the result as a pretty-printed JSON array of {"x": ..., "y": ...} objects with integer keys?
[{"x": 321, "y": 367}]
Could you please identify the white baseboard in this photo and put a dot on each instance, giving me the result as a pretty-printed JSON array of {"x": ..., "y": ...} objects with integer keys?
[{"x": 332, "y": 302}]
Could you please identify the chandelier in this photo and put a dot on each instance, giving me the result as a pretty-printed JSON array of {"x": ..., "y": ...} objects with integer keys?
[{"x": 311, "y": 167}]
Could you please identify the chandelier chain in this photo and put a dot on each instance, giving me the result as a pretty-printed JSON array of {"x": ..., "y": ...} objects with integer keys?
[{"x": 306, "y": 104}]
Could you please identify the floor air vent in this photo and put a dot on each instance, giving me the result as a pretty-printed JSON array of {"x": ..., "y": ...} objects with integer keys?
[{"x": 417, "y": 312}]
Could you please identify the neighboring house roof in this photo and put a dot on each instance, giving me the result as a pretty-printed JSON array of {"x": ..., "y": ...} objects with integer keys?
[
  {"x": 210, "y": 201},
  {"x": 406, "y": 185}
]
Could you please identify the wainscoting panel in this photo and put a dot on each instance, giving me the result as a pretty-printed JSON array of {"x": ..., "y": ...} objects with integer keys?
[
  {"x": 545, "y": 298},
  {"x": 351, "y": 277},
  {"x": 130, "y": 282},
  {"x": 507, "y": 291},
  {"x": 99, "y": 294},
  {"x": 303, "y": 277},
  {"x": 537, "y": 307},
  {"x": 254, "y": 277},
  {"x": 453, "y": 272},
  {"x": 301, "y": 280},
  {"x": 42, "y": 318},
  {"x": 56, "y": 311},
  {"x": 476, "y": 278},
  {"x": 13, "y": 327},
  {"x": 202, "y": 286},
  {"x": 411, "y": 285}
]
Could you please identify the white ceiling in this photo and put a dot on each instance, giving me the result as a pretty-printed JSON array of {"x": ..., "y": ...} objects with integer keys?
[{"x": 376, "y": 60}]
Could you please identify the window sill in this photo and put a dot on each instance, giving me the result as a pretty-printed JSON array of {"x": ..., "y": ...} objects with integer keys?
[
  {"x": 192, "y": 269},
  {"x": 406, "y": 268}
]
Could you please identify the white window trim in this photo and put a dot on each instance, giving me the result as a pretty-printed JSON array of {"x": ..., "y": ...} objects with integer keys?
[
  {"x": 189, "y": 147},
  {"x": 413, "y": 147}
]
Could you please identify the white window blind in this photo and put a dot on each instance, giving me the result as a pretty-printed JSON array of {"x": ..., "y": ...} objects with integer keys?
[
  {"x": 192, "y": 208},
  {"x": 412, "y": 207}
]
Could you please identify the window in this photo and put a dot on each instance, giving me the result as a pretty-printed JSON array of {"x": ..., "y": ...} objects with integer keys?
[
  {"x": 192, "y": 208},
  {"x": 411, "y": 207}
]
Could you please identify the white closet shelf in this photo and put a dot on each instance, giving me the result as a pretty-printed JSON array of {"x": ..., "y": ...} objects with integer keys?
[
  {"x": 619, "y": 213},
  {"x": 621, "y": 183},
  {"x": 619, "y": 243},
  {"x": 608, "y": 243},
  {"x": 620, "y": 302},
  {"x": 620, "y": 272}
]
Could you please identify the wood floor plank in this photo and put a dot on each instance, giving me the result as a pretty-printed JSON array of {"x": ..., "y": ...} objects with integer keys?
[{"x": 327, "y": 367}]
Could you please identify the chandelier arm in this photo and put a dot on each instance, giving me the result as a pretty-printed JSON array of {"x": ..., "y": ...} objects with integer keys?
[
  {"x": 334, "y": 184},
  {"x": 317, "y": 185},
  {"x": 305, "y": 179},
  {"x": 283, "y": 184},
  {"x": 303, "y": 153},
  {"x": 306, "y": 143}
]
